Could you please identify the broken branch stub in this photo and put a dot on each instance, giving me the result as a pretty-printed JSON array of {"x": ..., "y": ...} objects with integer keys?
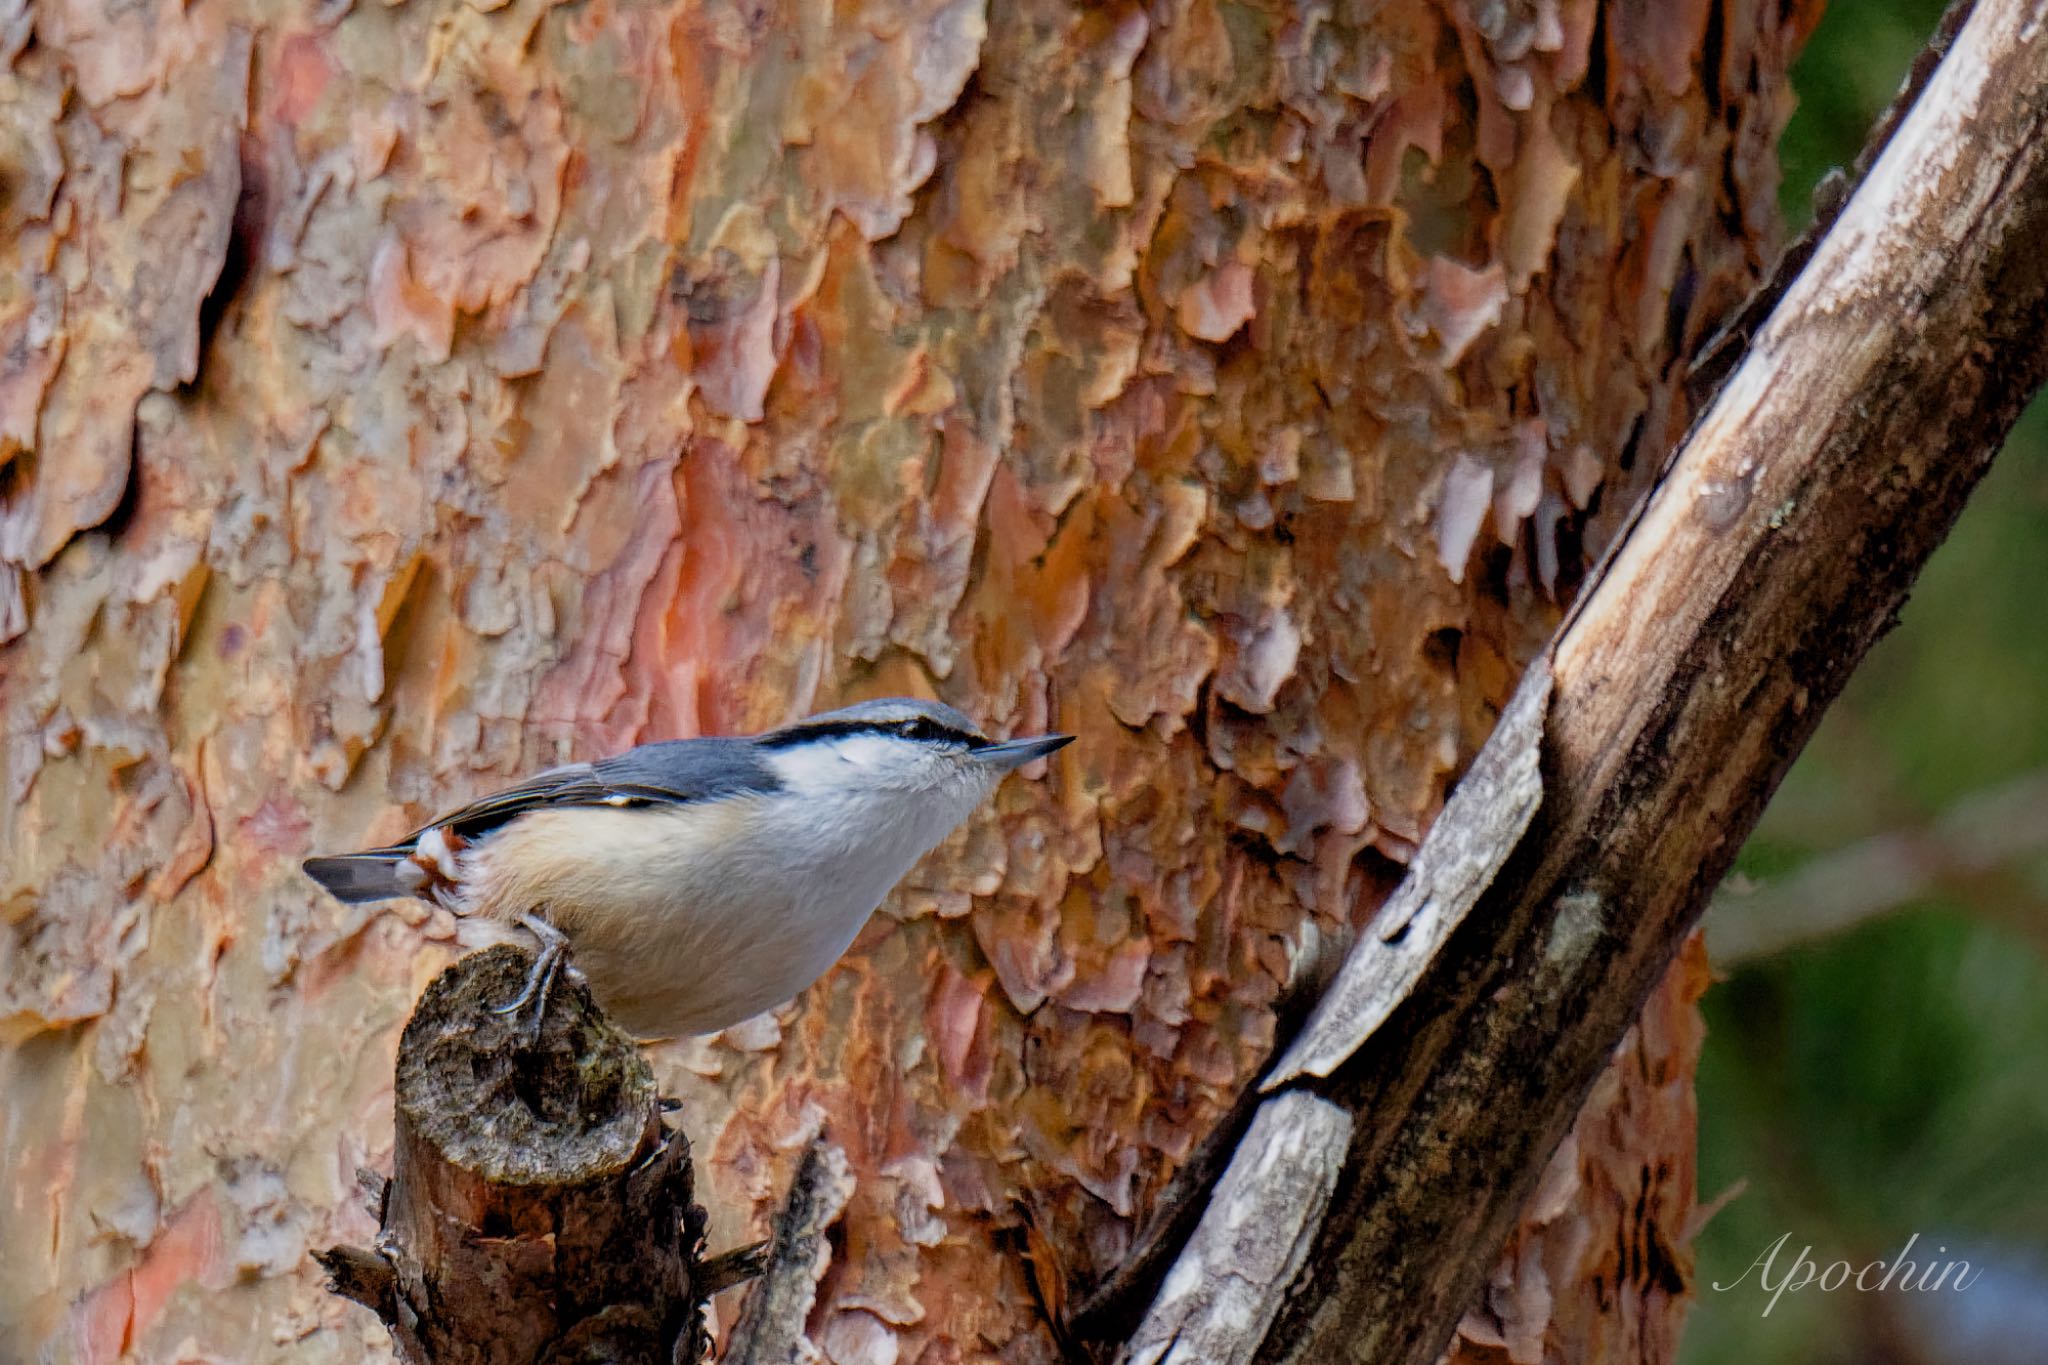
[{"x": 539, "y": 1210}]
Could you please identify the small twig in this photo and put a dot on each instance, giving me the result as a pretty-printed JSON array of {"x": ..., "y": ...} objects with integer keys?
[
  {"x": 361, "y": 1275},
  {"x": 729, "y": 1268},
  {"x": 771, "y": 1326},
  {"x": 375, "y": 1190},
  {"x": 1975, "y": 838}
]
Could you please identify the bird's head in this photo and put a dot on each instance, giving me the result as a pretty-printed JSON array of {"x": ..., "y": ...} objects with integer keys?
[{"x": 900, "y": 746}]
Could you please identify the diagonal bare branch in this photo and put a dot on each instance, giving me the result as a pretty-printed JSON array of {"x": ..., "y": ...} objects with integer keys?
[{"x": 1776, "y": 549}]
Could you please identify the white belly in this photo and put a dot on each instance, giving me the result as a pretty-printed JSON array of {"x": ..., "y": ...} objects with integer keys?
[{"x": 688, "y": 919}]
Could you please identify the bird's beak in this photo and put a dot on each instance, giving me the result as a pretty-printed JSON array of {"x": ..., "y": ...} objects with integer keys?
[{"x": 1015, "y": 753}]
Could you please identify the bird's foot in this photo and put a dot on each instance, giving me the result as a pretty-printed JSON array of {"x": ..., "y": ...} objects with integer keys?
[{"x": 548, "y": 961}]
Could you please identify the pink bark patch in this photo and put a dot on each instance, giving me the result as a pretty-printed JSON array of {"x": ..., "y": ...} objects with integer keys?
[
  {"x": 401, "y": 303},
  {"x": 302, "y": 76},
  {"x": 1460, "y": 510},
  {"x": 1461, "y": 303},
  {"x": 113, "y": 1318},
  {"x": 953, "y": 1016},
  {"x": 733, "y": 359},
  {"x": 1214, "y": 308}
]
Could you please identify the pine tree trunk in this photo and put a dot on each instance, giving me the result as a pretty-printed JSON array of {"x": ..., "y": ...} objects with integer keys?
[{"x": 396, "y": 398}]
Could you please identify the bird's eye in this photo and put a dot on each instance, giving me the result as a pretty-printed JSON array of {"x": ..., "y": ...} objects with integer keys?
[{"x": 921, "y": 729}]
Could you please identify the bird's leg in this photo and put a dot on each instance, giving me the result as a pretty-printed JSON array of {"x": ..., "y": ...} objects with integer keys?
[{"x": 547, "y": 965}]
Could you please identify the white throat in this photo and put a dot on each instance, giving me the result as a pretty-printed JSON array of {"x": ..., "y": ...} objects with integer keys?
[{"x": 867, "y": 807}]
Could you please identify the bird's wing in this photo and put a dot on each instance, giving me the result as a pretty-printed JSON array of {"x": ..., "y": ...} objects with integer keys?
[{"x": 668, "y": 773}]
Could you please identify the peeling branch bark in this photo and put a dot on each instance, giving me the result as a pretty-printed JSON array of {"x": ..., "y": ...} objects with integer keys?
[
  {"x": 1776, "y": 550},
  {"x": 1479, "y": 827},
  {"x": 540, "y": 1209},
  {"x": 1252, "y": 1241}
]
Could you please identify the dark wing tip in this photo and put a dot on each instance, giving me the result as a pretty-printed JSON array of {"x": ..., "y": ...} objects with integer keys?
[{"x": 357, "y": 877}]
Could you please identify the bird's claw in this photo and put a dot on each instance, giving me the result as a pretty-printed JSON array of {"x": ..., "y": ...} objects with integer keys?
[{"x": 548, "y": 962}]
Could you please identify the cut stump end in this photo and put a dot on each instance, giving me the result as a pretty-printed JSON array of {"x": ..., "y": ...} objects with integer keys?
[
  {"x": 575, "y": 1104},
  {"x": 539, "y": 1209}
]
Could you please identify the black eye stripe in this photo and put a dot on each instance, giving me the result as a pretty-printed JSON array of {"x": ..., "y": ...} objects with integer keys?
[{"x": 917, "y": 727}]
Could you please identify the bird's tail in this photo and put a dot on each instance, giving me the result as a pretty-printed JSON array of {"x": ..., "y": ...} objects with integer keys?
[{"x": 358, "y": 877}]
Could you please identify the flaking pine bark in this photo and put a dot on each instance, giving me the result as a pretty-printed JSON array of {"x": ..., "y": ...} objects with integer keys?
[{"x": 396, "y": 399}]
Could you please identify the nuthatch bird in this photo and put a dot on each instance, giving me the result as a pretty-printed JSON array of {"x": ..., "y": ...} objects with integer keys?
[{"x": 701, "y": 881}]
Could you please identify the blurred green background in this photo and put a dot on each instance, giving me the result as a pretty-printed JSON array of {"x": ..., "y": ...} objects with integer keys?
[{"x": 1877, "y": 1058}]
